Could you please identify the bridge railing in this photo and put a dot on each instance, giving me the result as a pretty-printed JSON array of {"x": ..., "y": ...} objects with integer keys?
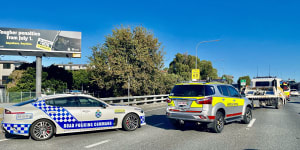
[
  {"x": 132, "y": 100},
  {"x": 136, "y": 100}
]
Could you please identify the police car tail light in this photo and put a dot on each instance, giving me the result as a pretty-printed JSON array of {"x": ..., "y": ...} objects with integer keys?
[
  {"x": 169, "y": 100},
  {"x": 10, "y": 112},
  {"x": 206, "y": 100}
]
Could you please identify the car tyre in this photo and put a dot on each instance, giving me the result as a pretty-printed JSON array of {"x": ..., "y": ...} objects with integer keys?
[
  {"x": 8, "y": 135},
  {"x": 131, "y": 122},
  {"x": 176, "y": 123},
  {"x": 278, "y": 104},
  {"x": 42, "y": 129},
  {"x": 247, "y": 116},
  {"x": 218, "y": 124}
]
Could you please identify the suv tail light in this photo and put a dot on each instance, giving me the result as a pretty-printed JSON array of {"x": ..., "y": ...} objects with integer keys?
[
  {"x": 169, "y": 100},
  {"x": 206, "y": 100},
  {"x": 9, "y": 112}
]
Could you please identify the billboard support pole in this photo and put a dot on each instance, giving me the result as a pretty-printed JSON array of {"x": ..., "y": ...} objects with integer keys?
[{"x": 38, "y": 79}]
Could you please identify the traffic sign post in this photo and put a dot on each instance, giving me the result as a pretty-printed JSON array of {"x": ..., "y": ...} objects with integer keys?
[
  {"x": 195, "y": 74},
  {"x": 243, "y": 82}
]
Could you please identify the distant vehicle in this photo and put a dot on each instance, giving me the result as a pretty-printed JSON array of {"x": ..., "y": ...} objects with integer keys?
[
  {"x": 57, "y": 114},
  {"x": 266, "y": 91},
  {"x": 286, "y": 90},
  {"x": 294, "y": 92},
  {"x": 207, "y": 103}
]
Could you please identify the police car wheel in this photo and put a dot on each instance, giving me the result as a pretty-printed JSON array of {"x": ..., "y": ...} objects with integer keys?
[
  {"x": 7, "y": 135},
  {"x": 218, "y": 123},
  {"x": 247, "y": 116},
  {"x": 130, "y": 122},
  {"x": 42, "y": 130}
]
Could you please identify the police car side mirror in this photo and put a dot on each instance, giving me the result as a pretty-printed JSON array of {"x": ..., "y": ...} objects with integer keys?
[{"x": 103, "y": 106}]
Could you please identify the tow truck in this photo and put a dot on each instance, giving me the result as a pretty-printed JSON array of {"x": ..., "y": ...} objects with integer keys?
[{"x": 266, "y": 91}]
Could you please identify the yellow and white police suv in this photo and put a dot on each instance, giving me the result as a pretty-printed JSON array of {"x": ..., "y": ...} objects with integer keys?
[
  {"x": 212, "y": 104},
  {"x": 57, "y": 114}
]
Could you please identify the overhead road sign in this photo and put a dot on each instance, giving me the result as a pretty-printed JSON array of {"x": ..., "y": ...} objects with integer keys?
[{"x": 47, "y": 43}]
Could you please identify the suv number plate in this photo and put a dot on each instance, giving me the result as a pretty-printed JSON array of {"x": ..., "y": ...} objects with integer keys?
[{"x": 182, "y": 103}]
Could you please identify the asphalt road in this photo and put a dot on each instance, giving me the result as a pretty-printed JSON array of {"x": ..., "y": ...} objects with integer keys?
[{"x": 271, "y": 129}]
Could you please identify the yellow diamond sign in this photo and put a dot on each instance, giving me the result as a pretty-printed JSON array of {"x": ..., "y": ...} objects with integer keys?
[{"x": 195, "y": 74}]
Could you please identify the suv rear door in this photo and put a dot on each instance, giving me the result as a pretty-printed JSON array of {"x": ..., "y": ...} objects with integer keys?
[
  {"x": 226, "y": 99},
  {"x": 237, "y": 102}
]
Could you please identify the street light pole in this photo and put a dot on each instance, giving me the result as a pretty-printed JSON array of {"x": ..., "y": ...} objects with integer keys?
[{"x": 198, "y": 46}]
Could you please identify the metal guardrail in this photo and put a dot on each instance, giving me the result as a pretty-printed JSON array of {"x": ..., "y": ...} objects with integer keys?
[
  {"x": 136, "y": 100},
  {"x": 132, "y": 100}
]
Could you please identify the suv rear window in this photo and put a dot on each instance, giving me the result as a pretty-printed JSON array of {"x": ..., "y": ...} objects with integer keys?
[{"x": 192, "y": 90}]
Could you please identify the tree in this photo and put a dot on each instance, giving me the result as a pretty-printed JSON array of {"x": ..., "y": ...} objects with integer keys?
[
  {"x": 229, "y": 78},
  {"x": 80, "y": 79},
  {"x": 183, "y": 64},
  {"x": 128, "y": 56},
  {"x": 53, "y": 79},
  {"x": 247, "y": 78}
]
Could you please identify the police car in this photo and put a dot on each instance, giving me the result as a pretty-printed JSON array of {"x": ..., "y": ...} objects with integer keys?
[
  {"x": 211, "y": 104},
  {"x": 43, "y": 117}
]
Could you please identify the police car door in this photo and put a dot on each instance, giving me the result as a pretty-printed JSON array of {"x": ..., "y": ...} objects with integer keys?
[
  {"x": 237, "y": 101},
  {"x": 64, "y": 111},
  {"x": 95, "y": 115}
]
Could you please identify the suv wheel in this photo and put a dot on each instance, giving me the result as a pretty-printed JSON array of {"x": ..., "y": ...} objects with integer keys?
[
  {"x": 176, "y": 123},
  {"x": 247, "y": 116},
  {"x": 218, "y": 123}
]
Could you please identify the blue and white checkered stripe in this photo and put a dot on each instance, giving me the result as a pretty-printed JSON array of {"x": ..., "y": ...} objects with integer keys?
[
  {"x": 66, "y": 120},
  {"x": 142, "y": 119},
  {"x": 16, "y": 128},
  {"x": 58, "y": 114}
]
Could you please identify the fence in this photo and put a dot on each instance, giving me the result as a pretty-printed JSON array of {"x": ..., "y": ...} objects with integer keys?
[{"x": 16, "y": 97}]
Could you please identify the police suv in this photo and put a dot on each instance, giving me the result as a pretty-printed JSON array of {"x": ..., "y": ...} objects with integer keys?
[
  {"x": 43, "y": 117},
  {"x": 207, "y": 103}
]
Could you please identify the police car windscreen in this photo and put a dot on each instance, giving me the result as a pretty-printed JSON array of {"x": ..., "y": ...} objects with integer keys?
[{"x": 192, "y": 90}]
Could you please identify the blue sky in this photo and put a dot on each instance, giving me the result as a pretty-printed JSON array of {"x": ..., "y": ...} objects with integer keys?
[{"x": 253, "y": 34}]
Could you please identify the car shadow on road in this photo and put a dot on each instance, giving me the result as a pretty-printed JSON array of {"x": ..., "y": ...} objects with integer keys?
[
  {"x": 16, "y": 137},
  {"x": 294, "y": 102},
  {"x": 12, "y": 136},
  {"x": 161, "y": 121}
]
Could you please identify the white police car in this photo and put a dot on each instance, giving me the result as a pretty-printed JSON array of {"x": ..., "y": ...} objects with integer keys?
[{"x": 43, "y": 117}]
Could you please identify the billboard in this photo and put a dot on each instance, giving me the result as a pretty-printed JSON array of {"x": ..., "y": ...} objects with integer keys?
[{"x": 32, "y": 42}]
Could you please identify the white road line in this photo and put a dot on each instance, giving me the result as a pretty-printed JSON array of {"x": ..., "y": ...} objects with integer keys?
[
  {"x": 155, "y": 109},
  {"x": 3, "y": 140},
  {"x": 251, "y": 123},
  {"x": 96, "y": 144},
  {"x": 156, "y": 125}
]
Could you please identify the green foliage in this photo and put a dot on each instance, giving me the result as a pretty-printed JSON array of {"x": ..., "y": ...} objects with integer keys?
[
  {"x": 228, "y": 78},
  {"x": 247, "y": 78},
  {"x": 128, "y": 55},
  {"x": 183, "y": 64},
  {"x": 80, "y": 79},
  {"x": 53, "y": 79}
]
